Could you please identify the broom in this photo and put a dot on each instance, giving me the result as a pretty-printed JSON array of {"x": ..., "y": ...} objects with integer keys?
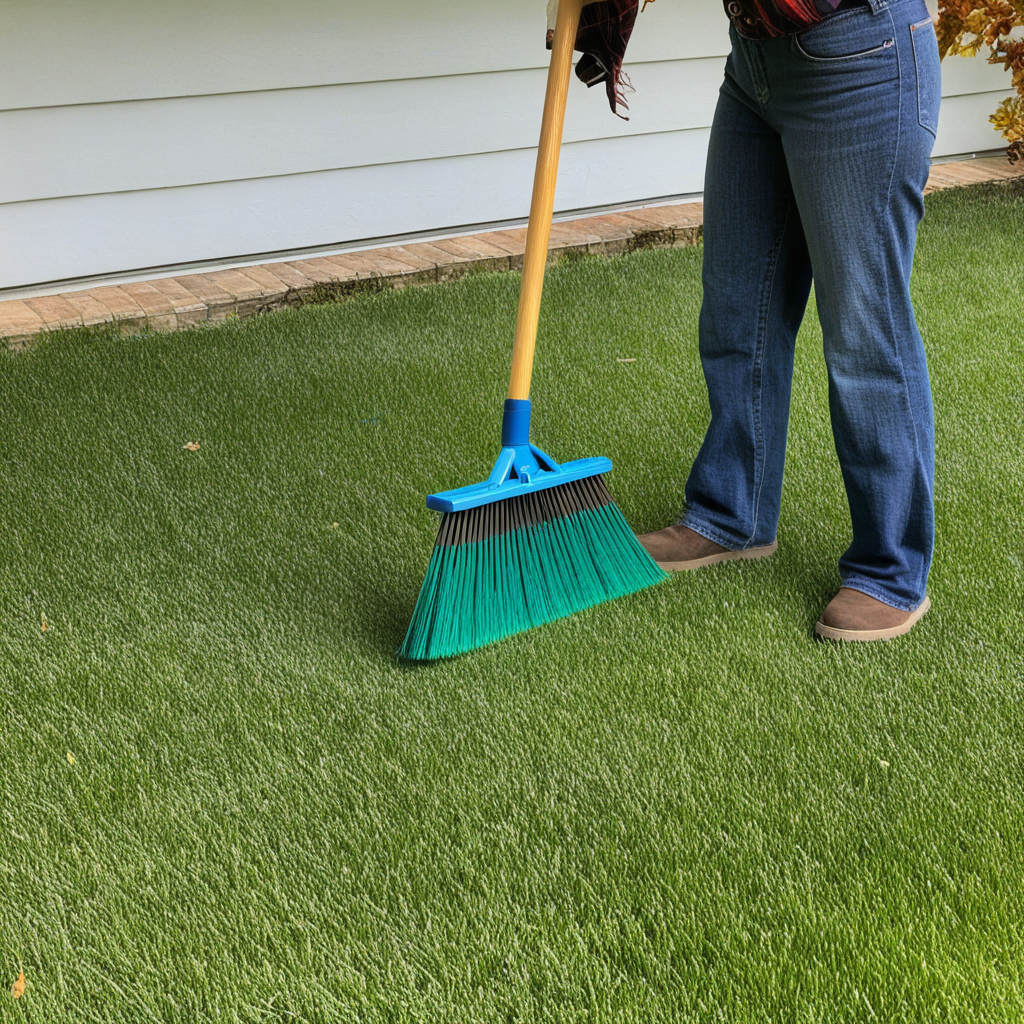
[{"x": 537, "y": 540}]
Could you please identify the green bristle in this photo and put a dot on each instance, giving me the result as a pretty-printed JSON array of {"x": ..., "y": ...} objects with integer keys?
[{"x": 513, "y": 564}]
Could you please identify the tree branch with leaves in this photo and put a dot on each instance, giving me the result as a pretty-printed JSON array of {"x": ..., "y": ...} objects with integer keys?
[{"x": 964, "y": 26}]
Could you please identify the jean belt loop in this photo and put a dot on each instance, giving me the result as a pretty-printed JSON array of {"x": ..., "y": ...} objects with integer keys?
[{"x": 877, "y": 6}]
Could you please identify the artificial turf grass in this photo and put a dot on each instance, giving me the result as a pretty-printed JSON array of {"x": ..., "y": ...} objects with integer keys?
[{"x": 671, "y": 807}]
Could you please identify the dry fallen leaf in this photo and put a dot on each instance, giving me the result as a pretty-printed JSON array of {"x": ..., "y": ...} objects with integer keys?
[
  {"x": 884, "y": 764},
  {"x": 192, "y": 446},
  {"x": 18, "y": 988},
  {"x": 71, "y": 758},
  {"x": 43, "y": 624},
  {"x": 633, "y": 360},
  {"x": 334, "y": 526}
]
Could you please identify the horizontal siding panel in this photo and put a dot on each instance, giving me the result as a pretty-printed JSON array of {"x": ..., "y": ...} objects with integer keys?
[
  {"x": 168, "y": 143},
  {"x": 54, "y": 53},
  {"x": 142, "y": 133},
  {"x": 79, "y": 236},
  {"x": 73, "y": 237},
  {"x": 961, "y": 75},
  {"x": 964, "y": 126},
  {"x": 111, "y": 147}
]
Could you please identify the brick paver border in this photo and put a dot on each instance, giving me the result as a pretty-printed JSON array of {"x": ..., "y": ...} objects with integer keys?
[{"x": 172, "y": 302}]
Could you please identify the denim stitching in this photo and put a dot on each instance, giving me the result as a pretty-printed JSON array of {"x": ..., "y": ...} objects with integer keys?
[
  {"x": 763, "y": 93},
  {"x": 753, "y": 57},
  {"x": 860, "y": 55},
  {"x": 899, "y": 130},
  {"x": 917, "y": 77},
  {"x": 888, "y": 290},
  {"x": 708, "y": 532},
  {"x": 762, "y": 331}
]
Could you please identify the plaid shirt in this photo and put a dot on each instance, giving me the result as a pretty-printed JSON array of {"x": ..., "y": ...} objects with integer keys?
[
  {"x": 605, "y": 28},
  {"x": 604, "y": 31}
]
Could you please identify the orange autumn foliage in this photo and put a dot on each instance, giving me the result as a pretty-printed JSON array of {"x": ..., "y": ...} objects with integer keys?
[{"x": 965, "y": 26}]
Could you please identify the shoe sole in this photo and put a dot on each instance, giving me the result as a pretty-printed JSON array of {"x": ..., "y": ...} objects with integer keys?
[
  {"x": 722, "y": 556},
  {"x": 831, "y": 633}
]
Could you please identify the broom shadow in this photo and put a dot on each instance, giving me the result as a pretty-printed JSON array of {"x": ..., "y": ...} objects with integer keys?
[{"x": 351, "y": 601}]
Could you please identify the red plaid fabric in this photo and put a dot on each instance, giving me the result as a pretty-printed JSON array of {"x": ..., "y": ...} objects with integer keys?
[
  {"x": 604, "y": 31},
  {"x": 605, "y": 28}
]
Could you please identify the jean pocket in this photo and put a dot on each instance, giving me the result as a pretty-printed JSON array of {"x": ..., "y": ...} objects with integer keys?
[
  {"x": 885, "y": 45},
  {"x": 849, "y": 35},
  {"x": 929, "y": 77}
]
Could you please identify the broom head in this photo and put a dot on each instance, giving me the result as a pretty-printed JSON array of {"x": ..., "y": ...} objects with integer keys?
[{"x": 535, "y": 542}]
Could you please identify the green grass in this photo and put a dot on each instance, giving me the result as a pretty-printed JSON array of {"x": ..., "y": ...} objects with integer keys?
[{"x": 673, "y": 807}]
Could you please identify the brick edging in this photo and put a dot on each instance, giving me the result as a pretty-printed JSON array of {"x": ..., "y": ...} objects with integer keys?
[{"x": 168, "y": 303}]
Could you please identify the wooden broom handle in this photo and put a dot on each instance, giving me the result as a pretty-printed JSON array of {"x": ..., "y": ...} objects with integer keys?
[{"x": 542, "y": 206}]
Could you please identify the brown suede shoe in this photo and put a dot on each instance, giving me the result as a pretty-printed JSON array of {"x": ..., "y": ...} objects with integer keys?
[
  {"x": 852, "y": 615},
  {"x": 677, "y": 548}
]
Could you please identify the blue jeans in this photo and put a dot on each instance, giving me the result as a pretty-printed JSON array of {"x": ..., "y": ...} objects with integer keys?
[{"x": 818, "y": 157}]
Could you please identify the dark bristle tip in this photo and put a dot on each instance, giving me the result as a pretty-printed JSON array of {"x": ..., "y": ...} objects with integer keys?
[
  {"x": 475, "y": 525},
  {"x": 514, "y": 564}
]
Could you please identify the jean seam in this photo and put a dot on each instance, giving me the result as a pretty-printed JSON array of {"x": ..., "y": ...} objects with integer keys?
[
  {"x": 753, "y": 55},
  {"x": 762, "y": 331},
  {"x": 922, "y": 573},
  {"x": 709, "y": 532},
  {"x": 887, "y": 45},
  {"x": 917, "y": 78}
]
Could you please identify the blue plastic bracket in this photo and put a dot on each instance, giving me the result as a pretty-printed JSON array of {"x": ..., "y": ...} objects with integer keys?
[{"x": 521, "y": 467}]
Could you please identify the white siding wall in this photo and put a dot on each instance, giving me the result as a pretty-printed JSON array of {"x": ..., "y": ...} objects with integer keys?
[{"x": 144, "y": 133}]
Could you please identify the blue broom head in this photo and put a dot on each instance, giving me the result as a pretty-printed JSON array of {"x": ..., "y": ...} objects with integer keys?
[{"x": 535, "y": 542}]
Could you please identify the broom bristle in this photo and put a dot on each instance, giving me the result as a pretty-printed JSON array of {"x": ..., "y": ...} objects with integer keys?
[{"x": 504, "y": 567}]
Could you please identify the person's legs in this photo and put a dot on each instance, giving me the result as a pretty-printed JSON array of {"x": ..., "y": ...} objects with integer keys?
[
  {"x": 852, "y": 104},
  {"x": 756, "y": 277},
  {"x": 855, "y": 101}
]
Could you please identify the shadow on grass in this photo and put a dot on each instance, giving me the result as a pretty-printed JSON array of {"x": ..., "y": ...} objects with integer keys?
[{"x": 354, "y": 605}]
